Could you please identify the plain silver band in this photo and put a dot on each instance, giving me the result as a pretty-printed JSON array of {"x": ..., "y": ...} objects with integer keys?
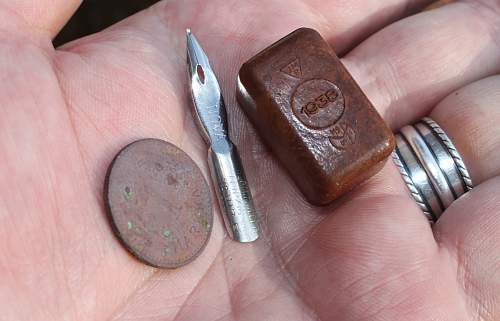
[
  {"x": 452, "y": 150},
  {"x": 431, "y": 167},
  {"x": 444, "y": 160}
]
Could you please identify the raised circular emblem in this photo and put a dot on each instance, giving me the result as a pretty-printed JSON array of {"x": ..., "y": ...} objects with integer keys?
[{"x": 318, "y": 103}]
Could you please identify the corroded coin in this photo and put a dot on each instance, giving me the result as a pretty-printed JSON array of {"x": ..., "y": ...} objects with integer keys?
[{"x": 159, "y": 203}]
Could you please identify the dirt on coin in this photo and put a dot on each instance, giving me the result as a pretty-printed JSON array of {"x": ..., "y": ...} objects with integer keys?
[{"x": 159, "y": 203}]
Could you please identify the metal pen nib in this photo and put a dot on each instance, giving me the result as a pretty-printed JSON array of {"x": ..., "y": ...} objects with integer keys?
[{"x": 227, "y": 173}]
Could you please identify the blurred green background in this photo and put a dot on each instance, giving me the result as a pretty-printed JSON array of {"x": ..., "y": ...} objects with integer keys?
[{"x": 95, "y": 15}]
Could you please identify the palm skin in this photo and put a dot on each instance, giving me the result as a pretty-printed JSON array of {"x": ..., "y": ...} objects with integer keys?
[{"x": 370, "y": 256}]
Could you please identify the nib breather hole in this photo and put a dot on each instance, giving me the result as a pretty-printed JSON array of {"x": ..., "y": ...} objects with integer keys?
[{"x": 201, "y": 73}]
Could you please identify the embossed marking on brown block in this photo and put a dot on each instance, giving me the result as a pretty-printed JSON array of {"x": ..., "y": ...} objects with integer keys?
[
  {"x": 313, "y": 115},
  {"x": 159, "y": 203}
]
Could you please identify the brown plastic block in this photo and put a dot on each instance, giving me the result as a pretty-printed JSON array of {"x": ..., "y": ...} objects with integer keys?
[{"x": 314, "y": 117}]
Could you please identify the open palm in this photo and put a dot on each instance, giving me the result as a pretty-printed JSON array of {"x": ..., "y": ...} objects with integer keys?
[{"x": 370, "y": 256}]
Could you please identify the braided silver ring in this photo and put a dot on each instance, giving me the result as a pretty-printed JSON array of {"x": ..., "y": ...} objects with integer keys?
[{"x": 431, "y": 167}]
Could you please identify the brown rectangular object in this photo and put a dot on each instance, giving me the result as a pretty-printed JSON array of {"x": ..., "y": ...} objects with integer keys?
[{"x": 313, "y": 116}]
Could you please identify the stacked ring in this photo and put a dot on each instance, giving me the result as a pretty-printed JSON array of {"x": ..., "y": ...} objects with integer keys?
[{"x": 431, "y": 167}]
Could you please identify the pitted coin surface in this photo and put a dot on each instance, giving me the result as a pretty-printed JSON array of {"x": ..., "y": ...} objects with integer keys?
[{"x": 159, "y": 203}]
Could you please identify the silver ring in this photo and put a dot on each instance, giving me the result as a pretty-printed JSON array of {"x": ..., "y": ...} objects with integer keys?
[
  {"x": 459, "y": 162},
  {"x": 415, "y": 191},
  {"x": 431, "y": 167}
]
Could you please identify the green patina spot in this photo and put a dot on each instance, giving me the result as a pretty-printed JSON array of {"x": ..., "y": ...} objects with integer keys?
[
  {"x": 130, "y": 225},
  {"x": 127, "y": 193},
  {"x": 167, "y": 232},
  {"x": 205, "y": 224}
]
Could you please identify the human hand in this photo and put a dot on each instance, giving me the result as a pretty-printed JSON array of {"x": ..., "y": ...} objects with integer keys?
[{"x": 370, "y": 256}]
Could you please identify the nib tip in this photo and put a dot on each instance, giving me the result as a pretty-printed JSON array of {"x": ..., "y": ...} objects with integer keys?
[{"x": 188, "y": 31}]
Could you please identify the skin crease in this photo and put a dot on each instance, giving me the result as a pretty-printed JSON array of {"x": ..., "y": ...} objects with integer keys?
[{"x": 369, "y": 256}]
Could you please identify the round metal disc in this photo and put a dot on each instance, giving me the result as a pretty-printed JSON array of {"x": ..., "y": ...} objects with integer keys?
[{"x": 159, "y": 203}]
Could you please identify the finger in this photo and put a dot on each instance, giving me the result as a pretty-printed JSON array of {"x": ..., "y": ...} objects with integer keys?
[
  {"x": 470, "y": 117},
  {"x": 344, "y": 22},
  {"x": 469, "y": 113},
  {"x": 378, "y": 252},
  {"x": 407, "y": 68},
  {"x": 349, "y": 22},
  {"x": 411, "y": 65},
  {"x": 38, "y": 17},
  {"x": 469, "y": 232}
]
